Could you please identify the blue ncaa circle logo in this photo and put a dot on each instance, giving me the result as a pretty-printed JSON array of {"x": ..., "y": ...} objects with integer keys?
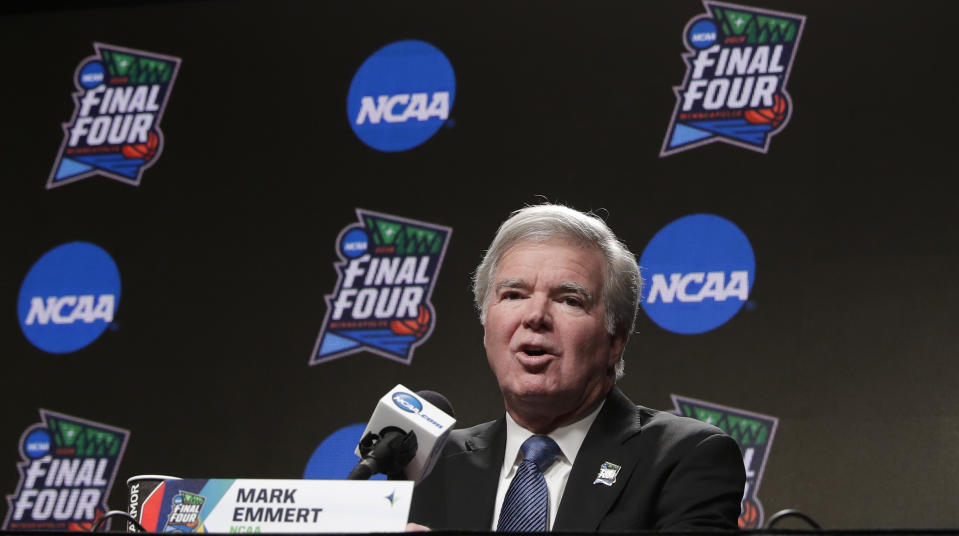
[
  {"x": 407, "y": 402},
  {"x": 68, "y": 297},
  {"x": 401, "y": 95},
  {"x": 91, "y": 75},
  {"x": 354, "y": 243},
  {"x": 702, "y": 34},
  {"x": 698, "y": 273},
  {"x": 37, "y": 444}
]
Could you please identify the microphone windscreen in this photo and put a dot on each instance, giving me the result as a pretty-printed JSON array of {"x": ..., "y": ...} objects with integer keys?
[
  {"x": 400, "y": 408},
  {"x": 438, "y": 400}
]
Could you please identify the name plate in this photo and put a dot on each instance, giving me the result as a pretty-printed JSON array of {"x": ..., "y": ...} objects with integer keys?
[{"x": 228, "y": 505}]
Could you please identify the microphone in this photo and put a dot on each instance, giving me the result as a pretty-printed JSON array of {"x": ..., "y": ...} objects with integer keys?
[
  {"x": 437, "y": 400},
  {"x": 405, "y": 435}
]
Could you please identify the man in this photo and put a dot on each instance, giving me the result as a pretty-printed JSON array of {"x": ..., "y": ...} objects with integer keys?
[{"x": 558, "y": 296}]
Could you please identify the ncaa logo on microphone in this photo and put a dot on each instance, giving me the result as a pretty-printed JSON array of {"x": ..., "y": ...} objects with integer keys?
[
  {"x": 407, "y": 402},
  {"x": 699, "y": 271},
  {"x": 69, "y": 297},
  {"x": 401, "y": 96}
]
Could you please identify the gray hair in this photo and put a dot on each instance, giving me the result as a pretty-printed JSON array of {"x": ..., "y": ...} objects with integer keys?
[{"x": 622, "y": 283}]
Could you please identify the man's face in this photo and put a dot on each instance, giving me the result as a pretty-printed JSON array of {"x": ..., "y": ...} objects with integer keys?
[{"x": 546, "y": 337}]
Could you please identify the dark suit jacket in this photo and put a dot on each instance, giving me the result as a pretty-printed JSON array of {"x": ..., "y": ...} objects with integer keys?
[{"x": 677, "y": 474}]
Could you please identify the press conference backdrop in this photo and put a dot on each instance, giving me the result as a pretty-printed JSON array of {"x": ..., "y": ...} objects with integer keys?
[{"x": 230, "y": 227}]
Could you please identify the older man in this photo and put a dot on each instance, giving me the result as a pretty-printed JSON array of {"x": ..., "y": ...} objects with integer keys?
[{"x": 558, "y": 296}]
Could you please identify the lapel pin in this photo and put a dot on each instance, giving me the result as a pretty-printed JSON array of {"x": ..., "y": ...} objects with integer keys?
[{"x": 607, "y": 474}]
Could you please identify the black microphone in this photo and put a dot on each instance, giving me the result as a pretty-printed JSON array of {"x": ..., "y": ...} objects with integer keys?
[
  {"x": 405, "y": 435},
  {"x": 387, "y": 452},
  {"x": 437, "y": 400}
]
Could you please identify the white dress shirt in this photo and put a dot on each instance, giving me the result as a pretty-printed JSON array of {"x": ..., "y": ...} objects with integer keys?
[{"x": 569, "y": 438}]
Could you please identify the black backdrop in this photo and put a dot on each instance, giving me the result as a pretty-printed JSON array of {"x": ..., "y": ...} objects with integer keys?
[{"x": 226, "y": 247}]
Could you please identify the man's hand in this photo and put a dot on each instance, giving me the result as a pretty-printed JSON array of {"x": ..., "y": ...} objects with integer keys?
[{"x": 416, "y": 527}]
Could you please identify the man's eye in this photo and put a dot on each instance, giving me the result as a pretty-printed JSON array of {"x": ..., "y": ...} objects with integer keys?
[
  {"x": 573, "y": 302},
  {"x": 512, "y": 295}
]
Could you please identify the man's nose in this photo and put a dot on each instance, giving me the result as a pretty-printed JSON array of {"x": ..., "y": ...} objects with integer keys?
[{"x": 537, "y": 315}]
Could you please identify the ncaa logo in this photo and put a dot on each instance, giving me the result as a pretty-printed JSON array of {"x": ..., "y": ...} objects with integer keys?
[
  {"x": 401, "y": 96},
  {"x": 407, "y": 402},
  {"x": 699, "y": 271},
  {"x": 68, "y": 297},
  {"x": 37, "y": 444},
  {"x": 702, "y": 34}
]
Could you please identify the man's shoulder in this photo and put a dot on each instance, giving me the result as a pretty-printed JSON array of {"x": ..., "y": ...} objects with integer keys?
[
  {"x": 472, "y": 431},
  {"x": 472, "y": 438},
  {"x": 621, "y": 412},
  {"x": 672, "y": 428}
]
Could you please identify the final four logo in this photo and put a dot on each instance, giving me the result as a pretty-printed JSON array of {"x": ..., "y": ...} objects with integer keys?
[
  {"x": 66, "y": 474},
  {"x": 115, "y": 130},
  {"x": 754, "y": 433},
  {"x": 388, "y": 266},
  {"x": 184, "y": 512},
  {"x": 737, "y": 67}
]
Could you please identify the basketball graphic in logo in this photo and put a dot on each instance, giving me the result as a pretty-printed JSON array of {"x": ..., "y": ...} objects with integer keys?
[
  {"x": 749, "y": 518},
  {"x": 85, "y": 526},
  {"x": 413, "y": 326},
  {"x": 146, "y": 151},
  {"x": 772, "y": 116}
]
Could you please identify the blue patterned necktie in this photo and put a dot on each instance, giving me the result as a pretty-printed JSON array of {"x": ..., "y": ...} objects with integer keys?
[{"x": 526, "y": 505}]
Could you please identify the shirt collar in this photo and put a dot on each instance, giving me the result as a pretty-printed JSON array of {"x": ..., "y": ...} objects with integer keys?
[{"x": 569, "y": 438}]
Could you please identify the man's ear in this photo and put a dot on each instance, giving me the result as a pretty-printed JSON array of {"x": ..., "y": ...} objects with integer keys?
[{"x": 617, "y": 343}]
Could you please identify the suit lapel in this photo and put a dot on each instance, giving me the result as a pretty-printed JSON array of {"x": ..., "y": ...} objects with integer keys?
[
  {"x": 584, "y": 502},
  {"x": 473, "y": 476}
]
